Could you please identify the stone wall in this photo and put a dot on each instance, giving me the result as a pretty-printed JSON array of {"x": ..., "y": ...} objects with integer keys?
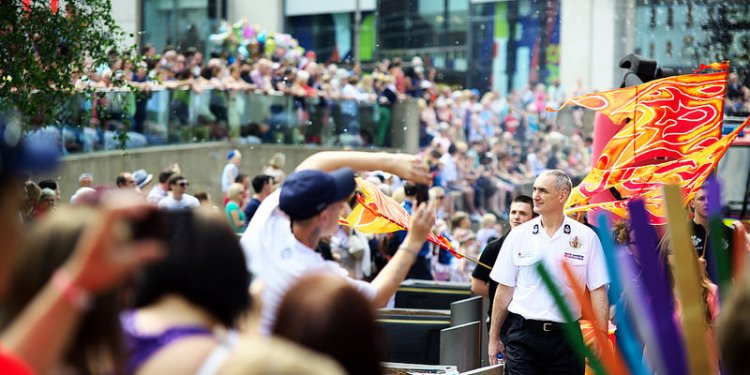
[{"x": 201, "y": 164}]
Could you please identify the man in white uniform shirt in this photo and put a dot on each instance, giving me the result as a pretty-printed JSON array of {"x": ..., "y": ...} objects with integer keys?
[
  {"x": 535, "y": 342},
  {"x": 281, "y": 241}
]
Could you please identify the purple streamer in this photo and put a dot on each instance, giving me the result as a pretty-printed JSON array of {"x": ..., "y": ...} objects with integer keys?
[
  {"x": 714, "y": 197},
  {"x": 658, "y": 291},
  {"x": 638, "y": 309}
]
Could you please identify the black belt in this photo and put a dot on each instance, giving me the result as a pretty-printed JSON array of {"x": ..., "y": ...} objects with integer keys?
[{"x": 544, "y": 326}]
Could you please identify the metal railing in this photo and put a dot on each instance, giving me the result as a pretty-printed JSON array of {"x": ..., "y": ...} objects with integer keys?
[{"x": 179, "y": 116}]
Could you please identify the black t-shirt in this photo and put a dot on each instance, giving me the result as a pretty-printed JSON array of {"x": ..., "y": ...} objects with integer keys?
[
  {"x": 702, "y": 242},
  {"x": 488, "y": 257}
]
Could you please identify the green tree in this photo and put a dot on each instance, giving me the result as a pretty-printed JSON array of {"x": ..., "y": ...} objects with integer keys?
[{"x": 42, "y": 53}]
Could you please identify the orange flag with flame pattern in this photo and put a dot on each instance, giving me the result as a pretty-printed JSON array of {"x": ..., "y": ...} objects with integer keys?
[
  {"x": 378, "y": 213},
  {"x": 671, "y": 133}
]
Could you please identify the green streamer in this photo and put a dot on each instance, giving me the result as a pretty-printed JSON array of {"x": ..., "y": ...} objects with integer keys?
[{"x": 570, "y": 330}]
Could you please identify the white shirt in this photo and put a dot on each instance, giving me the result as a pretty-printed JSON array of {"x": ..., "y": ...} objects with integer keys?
[
  {"x": 528, "y": 244},
  {"x": 226, "y": 176},
  {"x": 277, "y": 258},
  {"x": 156, "y": 195},
  {"x": 450, "y": 171},
  {"x": 187, "y": 202}
]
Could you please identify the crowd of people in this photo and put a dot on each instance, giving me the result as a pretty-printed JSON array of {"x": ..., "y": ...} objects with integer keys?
[
  {"x": 322, "y": 95},
  {"x": 139, "y": 274},
  {"x": 248, "y": 271}
]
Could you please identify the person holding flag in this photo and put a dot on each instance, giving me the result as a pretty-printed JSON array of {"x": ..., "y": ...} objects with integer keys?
[{"x": 281, "y": 240}]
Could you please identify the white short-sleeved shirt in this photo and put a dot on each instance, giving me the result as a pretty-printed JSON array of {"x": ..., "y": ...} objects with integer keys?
[
  {"x": 277, "y": 258},
  {"x": 187, "y": 202},
  {"x": 528, "y": 244},
  {"x": 226, "y": 176}
]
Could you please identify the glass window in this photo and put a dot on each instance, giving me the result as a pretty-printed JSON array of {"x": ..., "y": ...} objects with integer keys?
[
  {"x": 181, "y": 23},
  {"x": 652, "y": 22},
  {"x": 670, "y": 17}
]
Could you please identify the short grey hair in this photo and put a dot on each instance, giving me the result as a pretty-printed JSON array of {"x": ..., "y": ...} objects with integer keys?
[{"x": 562, "y": 180}]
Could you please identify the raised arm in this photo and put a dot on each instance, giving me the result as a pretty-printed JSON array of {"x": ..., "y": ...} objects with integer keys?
[
  {"x": 406, "y": 166},
  {"x": 43, "y": 330},
  {"x": 390, "y": 278}
]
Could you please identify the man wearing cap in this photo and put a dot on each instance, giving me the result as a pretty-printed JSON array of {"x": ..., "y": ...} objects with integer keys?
[
  {"x": 535, "y": 342},
  {"x": 281, "y": 240}
]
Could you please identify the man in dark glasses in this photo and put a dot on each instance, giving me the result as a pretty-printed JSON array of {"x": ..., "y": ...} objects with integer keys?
[{"x": 178, "y": 199}]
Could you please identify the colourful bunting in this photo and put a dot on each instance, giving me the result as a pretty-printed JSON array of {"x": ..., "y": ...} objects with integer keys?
[
  {"x": 627, "y": 337},
  {"x": 570, "y": 330},
  {"x": 658, "y": 293},
  {"x": 611, "y": 361},
  {"x": 687, "y": 283}
]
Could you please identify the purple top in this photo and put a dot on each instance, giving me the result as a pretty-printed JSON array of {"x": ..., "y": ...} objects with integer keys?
[{"x": 142, "y": 346}]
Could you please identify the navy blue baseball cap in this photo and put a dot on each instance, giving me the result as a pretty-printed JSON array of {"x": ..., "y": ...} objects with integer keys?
[
  {"x": 306, "y": 193},
  {"x": 20, "y": 154}
]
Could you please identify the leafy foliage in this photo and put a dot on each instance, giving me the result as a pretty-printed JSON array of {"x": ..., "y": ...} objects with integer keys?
[{"x": 43, "y": 53}]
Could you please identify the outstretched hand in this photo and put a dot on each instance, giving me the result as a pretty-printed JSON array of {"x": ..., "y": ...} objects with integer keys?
[
  {"x": 410, "y": 167},
  {"x": 104, "y": 255}
]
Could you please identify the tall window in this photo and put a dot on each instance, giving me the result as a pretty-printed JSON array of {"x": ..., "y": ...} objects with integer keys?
[
  {"x": 652, "y": 22},
  {"x": 689, "y": 16},
  {"x": 651, "y": 50},
  {"x": 180, "y": 23},
  {"x": 670, "y": 17},
  {"x": 669, "y": 49}
]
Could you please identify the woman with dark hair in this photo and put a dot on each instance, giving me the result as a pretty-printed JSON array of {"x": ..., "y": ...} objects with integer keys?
[
  {"x": 97, "y": 344},
  {"x": 326, "y": 314},
  {"x": 184, "y": 301}
]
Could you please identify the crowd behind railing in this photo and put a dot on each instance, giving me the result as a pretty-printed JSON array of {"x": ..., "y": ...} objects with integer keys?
[{"x": 482, "y": 146}]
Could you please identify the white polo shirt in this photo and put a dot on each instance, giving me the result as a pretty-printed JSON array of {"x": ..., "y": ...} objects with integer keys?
[
  {"x": 528, "y": 244},
  {"x": 276, "y": 257}
]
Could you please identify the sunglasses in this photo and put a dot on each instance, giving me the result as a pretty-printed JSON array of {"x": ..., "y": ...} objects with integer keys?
[
  {"x": 440, "y": 197},
  {"x": 183, "y": 183}
]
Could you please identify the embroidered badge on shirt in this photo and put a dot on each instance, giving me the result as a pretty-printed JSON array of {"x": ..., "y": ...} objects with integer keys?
[
  {"x": 573, "y": 256},
  {"x": 575, "y": 242},
  {"x": 566, "y": 229},
  {"x": 536, "y": 229}
]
